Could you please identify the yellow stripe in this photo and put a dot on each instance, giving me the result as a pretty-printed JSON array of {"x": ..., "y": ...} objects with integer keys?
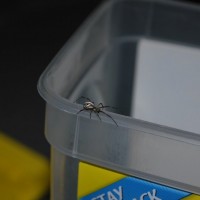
[
  {"x": 24, "y": 174},
  {"x": 192, "y": 197}
]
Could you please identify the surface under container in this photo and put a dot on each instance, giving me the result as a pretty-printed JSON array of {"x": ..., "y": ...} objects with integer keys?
[{"x": 143, "y": 58}]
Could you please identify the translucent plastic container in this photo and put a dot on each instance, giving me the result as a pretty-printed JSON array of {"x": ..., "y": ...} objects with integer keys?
[{"x": 142, "y": 57}]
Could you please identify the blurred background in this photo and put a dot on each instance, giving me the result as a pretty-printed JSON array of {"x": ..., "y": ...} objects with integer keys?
[{"x": 32, "y": 32}]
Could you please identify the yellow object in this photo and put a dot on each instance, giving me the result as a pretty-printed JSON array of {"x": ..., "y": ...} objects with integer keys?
[
  {"x": 192, "y": 197},
  {"x": 92, "y": 178},
  {"x": 24, "y": 174}
]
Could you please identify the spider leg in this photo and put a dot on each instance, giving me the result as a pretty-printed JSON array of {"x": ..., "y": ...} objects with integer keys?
[
  {"x": 80, "y": 111},
  {"x": 91, "y": 114},
  {"x": 109, "y": 117},
  {"x": 83, "y": 110},
  {"x": 98, "y": 116},
  {"x": 102, "y": 106}
]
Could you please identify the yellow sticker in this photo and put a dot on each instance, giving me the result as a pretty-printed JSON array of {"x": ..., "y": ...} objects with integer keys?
[
  {"x": 92, "y": 178},
  {"x": 192, "y": 197},
  {"x": 97, "y": 183}
]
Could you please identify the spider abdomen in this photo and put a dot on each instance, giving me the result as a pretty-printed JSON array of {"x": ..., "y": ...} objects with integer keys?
[{"x": 88, "y": 105}]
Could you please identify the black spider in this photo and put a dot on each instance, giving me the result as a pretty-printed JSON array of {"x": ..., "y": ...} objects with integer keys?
[{"x": 91, "y": 107}]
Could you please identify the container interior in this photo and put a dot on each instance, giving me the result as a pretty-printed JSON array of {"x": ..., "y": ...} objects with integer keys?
[{"x": 145, "y": 71}]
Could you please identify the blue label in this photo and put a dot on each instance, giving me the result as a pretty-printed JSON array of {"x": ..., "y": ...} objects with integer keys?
[{"x": 130, "y": 188}]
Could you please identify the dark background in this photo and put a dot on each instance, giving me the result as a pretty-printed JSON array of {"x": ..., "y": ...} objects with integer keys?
[{"x": 31, "y": 34}]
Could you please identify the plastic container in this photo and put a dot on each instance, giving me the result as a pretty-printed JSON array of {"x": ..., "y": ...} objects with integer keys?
[{"x": 143, "y": 58}]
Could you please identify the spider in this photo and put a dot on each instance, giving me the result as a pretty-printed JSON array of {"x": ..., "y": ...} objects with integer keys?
[{"x": 91, "y": 107}]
